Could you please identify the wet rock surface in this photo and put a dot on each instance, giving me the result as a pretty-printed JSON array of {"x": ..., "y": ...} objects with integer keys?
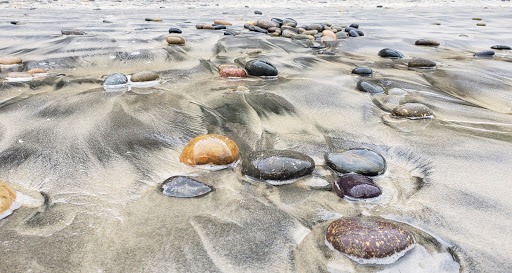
[
  {"x": 175, "y": 40},
  {"x": 423, "y": 42},
  {"x": 390, "y": 53},
  {"x": 356, "y": 186},
  {"x": 413, "y": 110},
  {"x": 362, "y": 71},
  {"x": 260, "y": 68},
  {"x": 184, "y": 187},
  {"x": 368, "y": 87},
  {"x": 421, "y": 63},
  {"x": 361, "y": 161},
  {"x": 485, "y": 53},
  {"x": 210, "y": 149},
  {"x": 277, "y": 165},
  {"x": 116, "y": 79},
  {"x": 501, "y": 47},
  {"x": 144, "y": 76}
]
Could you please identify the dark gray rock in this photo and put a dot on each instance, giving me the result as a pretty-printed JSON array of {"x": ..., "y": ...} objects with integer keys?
[
  {"x": 353, "y": 33},
  {"x": 316, "y": 27},
  {"x": 423, "y": 42},
  {"x": 361, "y": 161},
  {"x": 277, "y": 165},
  {"x": 362, "y": 71},
  {"x": 107, "y": 22},
  {"x": 258, "y": 12},
  {"x": 289, "y": 22},
  {"x": 354, "y": 25},
  {"x": 184, "y": 187},
  {"x": 390, "y": 53},
  {"x": 365, "y": 86},
  {"x": 266, "y": 24},
  {"x": 277, "y": 21},
  {"x": 356, "y": 186},
  {"x": 501, "y": 47},
  {"x": 115, "y": 79},
  {"x": 485, "y": 53},
  {"x": 360, "y": 32},
  {"x": 259, "y": 29},
  {"x": 260, "y": 68},
  {"x": 216, "y": 27},
  {"x": 341, "y": 35},
  {"x": 72, "y": 32},
  {"x": 174, "y": 30}
]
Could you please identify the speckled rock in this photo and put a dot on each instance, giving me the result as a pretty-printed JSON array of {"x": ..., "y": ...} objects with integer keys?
[
  {"x": 8, "y": 60},
  {"x": 421, "y": 63},
  {"x": 277, "y": 165},
  {"x": 174, "y": 30},
  {"x": 116, "y": 79},
  {"x": 144, "y": 76},
  {"x": 390, "y": 53},
  {"x": 485, "y": 53},
  {"x": 423, "y": 42},
  {"x": 200, "y": 26},
  {"x": 412, "y": 111},
  {"x": 501, "y": 47},
  {"x": 210, "y": 149},
  {"x": 232, "y": 72},
  {"x": 175, "y": 40},
  {"x": 260, "y": 68},
  {"x": 361, "y": 161},
  {"x": 362, "y": 71},
  {"x": 365, "y": 86},
  {"x": 356, "y": 186},
  {"x": 369, "y": 239},
  {"x": 184, "y": 187},
  {"x": 7, "y": 197}
]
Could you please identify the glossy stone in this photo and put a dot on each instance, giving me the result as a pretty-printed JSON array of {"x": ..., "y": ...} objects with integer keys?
[
  {"x": 144, "y": 76},
  {"x": 259, "y": 29},
  {"x": 217, "y": 27},
  {"x": 356, "y": 186},
  {"x": 221, "y": 22},
  {"x": 8, "y": 60},
  {"x": 260, "y": 68},
  {"x": 277, "y": 21},
  {"x": 362, "y": 71},
  {"x": 353, "y": 33},
  {"x": 174, "y": 30},
  {"x": 115, "y": 79},
  {"x": 361, "y": 161},
  {"x": 184, "y": 187},
  {"x": 485, "y": 53},
  {"x": 341, "y": 35},
  {"x": 232, "y": 72},
  {"x": 300, "y": 37},
  {"x": 277, "y": 165},
  {"x": 421, "y": 63},
  {"x": 365, "y": 86},
  {"x": 359, "y": 32},
  {"x": 258, "y": 12},
  {"x": 390, "y": 53},
  {"x": 369, "y": 239},
  {"x": 501, "y": 47},
  {"x": 210, "y": 149},
  {"x": 175, "y": 40},
  {"x": 7, "y": 197},
  {"x": 413, "y": 111},
  {"x": 72, "y": 32},
  {"x": 424, "y": 42}
]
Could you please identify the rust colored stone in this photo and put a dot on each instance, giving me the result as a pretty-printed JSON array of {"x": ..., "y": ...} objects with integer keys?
[
  {"x": 7, "y": 197},
  {"x": 210, "y": 149},
  {"x": 232, "y": 72}
]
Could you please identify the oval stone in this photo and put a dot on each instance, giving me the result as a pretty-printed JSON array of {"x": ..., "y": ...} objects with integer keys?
[
  {"x": 199, "y": 26},
  {"x": 116, "y": 79},
  {"x": 485, "y": 53},
  {"x": 8, "y": 60},
  {"x": 184, "y": 187},
  {"x": 362, "y": 71},
  {"x": 353, "y": 33},
  {"x": 266, "y": 24},
  {"x": 316, "y": 27},
  {"x": 36, "y": 71},
  {"x": 210, "y": 149},
  {"x": 19, "y": 75},
  {"x": 421, "y": 62},
  {"x": 217, "y": 27},
  {"x": 258, "y": 12},
  {"x": 390, "y": 53},
  {"x": 277, "y": 165},
  {"x": 365, "y": 86},
  {"x": 354, "y": 25},
  {"x": 259, "y": 29},
  {"x": 260, "y": 68},
  {"x": 72, "y": 32},
  {"x": 144, "y": 76},
  {"x": 226, "y": 65},
  {"x": 361, "y": 161},
  {"x": 369, "y": 239},
  {"x": 356, "y": 186},
  {"x": 7, "y": 197},
  {"x": 501, "y": 47},
  {"x": 277, "y": 21},
  {"x": 232, "y": 72},
  {"x": 175, "y": 40},
  {"x": 424, "y": 42},
  {"x": 359, "y": 32},
  {"x": 220, "y": 22},
  {"x": 341, "y": 35},
  {"x": 174, "y": 30},
  {"x": 289, "y": 22},
  {"x": 329, "y": 33},
  {"x": 413, "y": 111}
]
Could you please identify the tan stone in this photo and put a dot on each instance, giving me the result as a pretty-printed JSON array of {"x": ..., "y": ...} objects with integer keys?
[
  {"x": 328, "y": 33},
  {"x": 175, "y": 40},
  {"x": 19, "y": 75},
  {"x": 36, "y": 71},
  {"x": 220, "y": 22},
  {"x": 10, "y": 60}
]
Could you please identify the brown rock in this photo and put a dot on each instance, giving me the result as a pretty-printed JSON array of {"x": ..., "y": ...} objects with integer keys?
[
  {"x": 481, "y": 25},
  {"x": 157, "y": 20},
  {"x": 477, "y": 19},
  {"x": 328, "y": 33},
  {"x": 208, "y": 27},
  {"x": 7, "y": 197},
  {"x": 175, "y": 40},
  {"x": 210, "y": 149},
  {"x": 144, "y": 76},
  {"x": 232, "y": 72},
  {"x": 220, "y": 22},
  {"x": 413, "y": 111},
  {"x": 424, "y": 42},
  {"x": 36, "y": 71},
  {"x": 10, "y": 60},
  {"x": 421, "y": 62}
]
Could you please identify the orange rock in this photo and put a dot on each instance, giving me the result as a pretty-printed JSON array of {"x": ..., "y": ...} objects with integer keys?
[
  {"x": 253, "y": 23},
  {"x": 328, "y": 33},
  {"x": 7, "y": 197},
  {"x": 157, "y": 20},
  {"x": 327, "y": 38},
  {"x": 232, "y": 72},
  {"x": 210, "y": 149},
  {"x": 10, "y": 60},
  {"x": 36, "y": 71},
  {"x": 220, "y": 22}
]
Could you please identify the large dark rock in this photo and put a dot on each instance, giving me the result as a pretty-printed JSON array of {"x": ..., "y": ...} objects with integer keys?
[
  {"x": 485, "y": 53},
  {"x": 365, "y": 86},
  {"x": 356, "y": 186},
  {"x": 182, "y": 186},
  {"x": 260, "y": 68},
  {"x": 362, "y": 161},
  {"x": 390, "y": 53},
  {"x": 501, "y": 47},
  {"x": 174, "y": 30},
  {"x": 362, "y": 71},
  {"x": 277, "y": 165}
]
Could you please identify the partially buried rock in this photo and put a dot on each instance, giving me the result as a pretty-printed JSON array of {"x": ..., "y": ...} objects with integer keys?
[
  {"x": 362, "y": 71},
  {"x": 390, "y": 53},
  {"x": 365, "y": 86},
  {"x": 369, "y": 240},
  {"x": 232, "y": 72},
  {"x": 361, "y": 161},
  {"x": 115, "y": 79},
  {"x": 210, "y": 149},
  {"x": 72, "y": 32},
  {"x": 8, "y": 60},
  {"x": 356, "y": 186},
  {"x": 184, "y": 187},
  {"x": 481, "y": 25},
  {"x": 144, "y": 76},
  {"x": 290, "y": 22},
  {"x": 107, "y": 22},
  {"x": 174, "y": 30},
  {"x": 412, "y": 111},
  {"x": 7, "y": 198},
  {"x": 424, "y": 42},
  {"x": 277, "y": 165},
  {"x": 261, "y": 68},
  {"x": 175, "y": 40},
  {"x": 421, "y": 63},
  {"x": 501, "y": 47},
  {"x": 485, "y": 53},
  {"x": 217, "y": 27}
]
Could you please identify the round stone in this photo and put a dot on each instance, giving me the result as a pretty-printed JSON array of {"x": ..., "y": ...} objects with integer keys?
[
  {"x": 7, "y": 197},
  {"x": 210, "y": 149},
  {"x": 485, "y": 53},
  {"x": 144, "y": 76},
  {"x": 356, "y": 186},
  {"x": 316, "y": 27},
  {"x": 260, "y": 68},
  {"x": 19, "y": 75},
  {"x": 501, "y": 47},
  {"x": 220, "y": 22},
  {"x": 116, "y": 79},
  {"x": 175, "y": 40},
  {"x": 341, "y": 35},
  {"x": 36, "y": 71},
  {"x": 390, "y": 53},
  {"x": 266, "y": 24},
  {"x": 8, "y": 60},
  {"x": 361, "y": 161},
  {"x": 208, "y": 27},
  {"x": 174, "y": 30},
  {"x": 252, "y": 23},
  {"x": 412, "y": 111},
  {"x": 365, "y": 86},
  {"x": 184, "y": 187},
  {"x": 362, "y": 71},
  {"x": 232, "y": 72},
  {"x": 259, "y": 29},
  {"x": 421, "y": 63},
  {"x": 328, "y": 33},
  {"x": 424, "y": 42},
  {"x": 277, "y": 165},
  {"x": 371, "y": 240},
  {"x": 289, "y": 22}
]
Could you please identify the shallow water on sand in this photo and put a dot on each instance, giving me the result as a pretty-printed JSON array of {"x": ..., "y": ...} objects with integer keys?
[{"x": 97, "y": 158}]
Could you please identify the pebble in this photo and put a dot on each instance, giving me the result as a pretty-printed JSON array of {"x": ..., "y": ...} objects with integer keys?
[
  {"x": 365, "y": 86},
  {"x": 316, "y": 27},
  {"x": 232, "y": 72},
  {"x": 277, "y": 21},
  {"x": 288, "y": 33},
  {"x": 144, "y": 76},
  {"x": 174, "y": 30},
  {"x": 310, "y": 32},
  {"x": 421, "y": 63},
  {"x": 252, "y": 23},
  {"x": 258, "y": 12},
  {"x": 289, "y": 22},
  {"x": 266, "y": 24},
  {"x": 107, "y": 22},
  {"x": 277, "y": 165},
  {"x": 481, "y": 25},
  {"x": 390, "y": 53},
  {"x": 341, "y": 35},
  {"x": 220, "y": 22},
  {"x": 260, "y": 68},
  {"x": 199, "y": 26},
  {"x": 175, "y": 40},
  {"x": 424, "y": 42},
  {"x": 217, "y": 27},
  {"x": 72, "y": 32},
  {"x": 360, "y": 32},
  {"x": 18, "y": 75},
  {"x": 115, "y": 79},
  {"x": 362, "y": 71},
  {"x": 184, "y": 187},
  {"x": 36, "y": 71},
  {"x": 361, "y": 161},
  {"x": 7, "y": 197},
  {"x": 259, "y": 29},
  {"x": 300, "y": 37},
  {"x": 371, "y": 240},
  {"x": 501, "y": 47},
  {"x": 221, "y": 66},
  {"x": 354, "y": 25},
  {"x": 8, "y": 60},
  {"x": 327, "y": 38},
  {"x": 477, "y": 19},
  {"x": 329, "y": 33},
  {"x": 210, "y": 149},
  {"x": 485, "y": 53},
  {"x": 356, "y": 186},
  {"x": 208, "y": 27},
  {"x": 353, "y": 33},
  {"x": 412, "y": 111},
  {"x": 153, "y": 19}
]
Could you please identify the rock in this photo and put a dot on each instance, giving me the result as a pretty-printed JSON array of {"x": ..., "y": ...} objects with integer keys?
[
  {"x": 7, "y": 197},
  {"x": 371, "y": 240},
  {"x": 485, "y": 53},
  {"x": 316, "y": 27},
  {"x": 116, "y": 79},
  {"x": 232, "y": 72},
  {"x": 290, "y": 22},
  {"x": 210, "y": 149},
  {"x": 199, "y": 26},
  {"x": 8, "y": 60},
  {"x": 258, "y": 12},
  {"x": 266, "y": 24},
  {"x": 107, "y": 22},
  {"x": 184, "y": 187},
  {"x": 328, "y": 33},
  {"x": 175, "y": 40},
  {"x": 365, "y": 86},
  {"x": 359, "y": 32},
  {"x": 501, "y": 47},
  {"x": 250, "y": 27},
  {"x": 273, "y": 29},
  {"x": 354, "y": 25},
  {"x": 341, "y": 35},
  {"x": 348, "y": 29},
  {"x": 310, "y": 32},
  {"x": 258, "y": 29},
  {"x": 36, "y": 71},
  {"x": 421, "y": 63},
  {"x": 481, "y": 25},
  {"x": 361, "y": 161},
  {"x": 228, "y": 33},
  {"x": 477, "y": 19},
  {"x": 220, "y": 22},
  {"x": 424, "y": 42},
  {"x": 217, "y": 27},
  {"x": 353, "y": 33},
  {"x": 208, "y": 27},
  {"x": 277, "y": 165},
  {"x": 252, "y": 23},
  {"x": 174, "y": 30},
  {"x": 19, "y": 75},
  {"x": 327, "y": 38},
  {"x": 356, "y": 186},
  {"x": 300, "y": 37},
  {"x": 390, "y": 53},
  {"x": 72, "y": 32},
  {"x": 362, "y": 71},
  {"x": 221, "y": 66},
  {"x": 144, "y": 76},
  {"x": 157, "y": 20},
  {"x": 260, "y": 68},
  {"x": 288, "y": 33},
  {"x": 412, "y": 111},
  {"x": 277, "y": 21}
]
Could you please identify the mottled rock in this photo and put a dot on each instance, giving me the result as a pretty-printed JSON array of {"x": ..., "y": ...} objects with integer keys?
[
  {"x": 288, "y": 33},
  {"x": 8, "y": 60},
  {"x": 423, "y": 42},
  {"x": 184, "y": 187},
  {"x": 390, "y": 53},
  {"x": 175, "y": 40},
  {"x": 116, "y": 79},
  {"x": 200, "y": 26},
  {"x": 221, "y": 22},
  {"x": 174, "y": 30},
  {"x": 310, "y": 32},
  {"x": 501, "y": 47},
  {"x": 356, "y": 186},
  {"x": 481, "y": 24},
  {"x": 300, "y": 37},
  {"x": 371, "y": 240},
  {"x": 485, "y": 53},
  {"x": 362, "y": 71},
  {"x": 289, "y": 22},
  {"x": 412, "y": 111},
  {"x": 210, "y": 149},
  {"x": 144, "y": 76},
  {"x": 365, "y": 86},
  {"x": 260, "y": 68},
  {"x": 361, "y": 161},
  {"x": 421, "y": 63},
  {"x": 354, "y": 25},
  {"x": 72, "y": 32},
  {"x": 232, "y": 72},
  {"x": 7, "y": 197},
  {"x": 316, "y": 27},
  {"x": 277, "y": 165}
]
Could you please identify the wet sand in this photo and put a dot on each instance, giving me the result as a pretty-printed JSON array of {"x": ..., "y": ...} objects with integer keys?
[{"x": 94, "y": 160}]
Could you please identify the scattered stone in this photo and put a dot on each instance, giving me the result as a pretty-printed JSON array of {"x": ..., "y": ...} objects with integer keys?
[
  {"x": 258, "y": 12},
  {"x": 501, "y": 47},
  {"x": 421, "y": 63},
  {"x": 359, "y": 32},
  {"x": 329, "y": 33},
  {"x": 361, "y": 161},
  {"x": 485, "y": 53},
  {"x": 356, "y": 186},
  {"x": 210, "y": 149},
  {"x": 199, "y": 26},
  {"x": 8, "y": 60},
  {"x": 208, "y": 27},
  {"x": 354, "y": 25},
  {"x": 277, "y": 165},
  {"x": 390, "y": 53},
  {"x": 144, "y": 76},
  {"x": 300, "y": 37},
  {"x": 16, "y": 23},
  {"x": 424, "y": 42},
  {"x": 217, "y": 27},
  {"x": 289, "y": 22},
  {"x": 184, "y": 187},
  {"x": 72, "y": 32},
  {"x": 220, "y": 22},
  {"x": 365, "y": 86},
  {"x": 153, "y": 19},
  {"x": 36, "y": 71},
  {"x": 260, "y": 68},
  {"x": 353, "y": 33},
  {"x": 362, "y": 71},
  {"x": 175, "y": 40},
  {"x": 232, "y": 72},
  {"x": 221, "y": 66},
  {"x": 481, "y": 24},
  {"x": 174, "y": 30},
  {"x": 228, "y": 33},
  {"x": 316, "y": 27},
  {"x": 252, "y": 23},
  {"x": 266, "y": 24},
  {"x": 341, "y": 35},
  {"x": 371, "y": 240},
  {"x": 7, "y": 197},
  {"x": 116, "y": 79},
  {"x": 412, "y": 111},
  {"x": 477, "y": 19},
  {"x": 107, "y": 22},
  {"x": 277, "y": 21}
]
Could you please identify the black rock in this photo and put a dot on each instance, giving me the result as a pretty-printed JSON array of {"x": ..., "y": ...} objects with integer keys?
[
  {"x": 362, "y": 71},
  {"x": 277, "y": 165},
  {"x": 148, "y": 19},
  {"x": 348, "y": 29},
  {"x": 365, "y": 86},
  {"x": 485, "y": 53},
  {"x": 354, "y": 25},
  {"x": 356, "y": 186},
  {"x": 353, "y": 33},
  {"x": 262, "y": 30},
  {"x": 361, "y": 161},
  {"x": 277, "y": 21},
  {"x": 390, "y": 53},
  {"x": 115, "y": 79},
  {"x": 228, "y": 33},
  {"x": 501, "y": 47},
  {"x": 258, "y": 12},
  {"x": 360, "y": 32},
  {"x": 260, "y": 68},
  {"x": 107, "y": 22},
  {"x": 318, "y": 47},
  {"x": 184, "y": 187},
  {"x": 14, "y": 22},
  {"x": 216, "y": 27},
  {"x": 174, "y": 30},
  {"x": 325, "y": 52},
  {"x": 379, "y": 6}
]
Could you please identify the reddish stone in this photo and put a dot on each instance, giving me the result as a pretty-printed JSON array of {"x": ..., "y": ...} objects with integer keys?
[{"x": 232, "y": 72}]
